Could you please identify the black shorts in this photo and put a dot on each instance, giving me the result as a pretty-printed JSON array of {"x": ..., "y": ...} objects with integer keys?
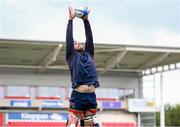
[{"x": 83, "y": 101}]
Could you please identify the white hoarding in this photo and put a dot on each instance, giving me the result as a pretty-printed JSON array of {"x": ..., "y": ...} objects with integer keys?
[{"x": 142, "y": 105}]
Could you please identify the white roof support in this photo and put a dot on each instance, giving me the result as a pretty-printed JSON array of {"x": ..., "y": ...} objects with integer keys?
[
  {"x": 114, "y": 60},
  {"x": 50, "y": 58},
  {"x": 150, "y": 49},
  {"x": 154, "y": 61},
  {"x": 64, "y": 67},
  {"x": 109, "y": 50}
]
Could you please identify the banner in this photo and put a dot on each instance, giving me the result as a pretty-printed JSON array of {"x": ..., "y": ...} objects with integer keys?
[
  {"x": 111, "y": 105},
  {"x": 33, "y": 116},
  {"x": 52, "y": 104},
  {"x": 20, "y": 103},
  {"x": 142, "y": 105}
]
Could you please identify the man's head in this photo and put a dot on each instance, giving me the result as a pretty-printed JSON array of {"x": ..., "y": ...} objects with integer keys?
[{"x": 78, "y": 46}]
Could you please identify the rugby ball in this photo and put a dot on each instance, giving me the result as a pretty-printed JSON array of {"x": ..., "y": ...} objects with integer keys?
[{"x": 80, "y": 13}]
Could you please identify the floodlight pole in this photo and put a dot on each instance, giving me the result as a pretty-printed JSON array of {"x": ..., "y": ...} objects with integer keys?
[
  {"x": 162, "y": 111},
  {"x": 154, "y": 87},
  {"x": 154, "y": 90},
  {"x": 139, "y": 119}
]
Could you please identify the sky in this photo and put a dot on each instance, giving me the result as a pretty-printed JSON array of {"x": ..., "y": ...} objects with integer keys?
[{"x": 133, "y": 22}]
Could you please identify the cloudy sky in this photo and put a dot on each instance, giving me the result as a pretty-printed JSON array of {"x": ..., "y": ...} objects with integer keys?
[
  {"x": 146, "y": 22},
  {"x": 142, "y": 22}
]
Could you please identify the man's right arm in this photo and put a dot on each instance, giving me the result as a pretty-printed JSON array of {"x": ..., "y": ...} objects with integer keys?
[
  {"x": 69, "y": 40},
  {"x": 89, "y": 46}
]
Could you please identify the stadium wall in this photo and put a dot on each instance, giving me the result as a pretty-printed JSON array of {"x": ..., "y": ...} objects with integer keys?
[{"x": 62, "y": 78}]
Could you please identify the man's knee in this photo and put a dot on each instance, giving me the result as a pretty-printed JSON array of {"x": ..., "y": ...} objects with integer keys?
[
  {"x": 91, "y": 121},
  {"x": 72, "y": 120}
]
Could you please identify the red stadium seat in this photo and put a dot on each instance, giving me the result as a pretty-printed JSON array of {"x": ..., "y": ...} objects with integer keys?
[
  {"x": 112, "y": 124},
  {"x": 36, "y": 124},
  {"x": 62, "y": 124},
  {"x": 106, "y": 99},
  {"x": 48, "y": 98},
  {"x": 17, "y": 97}
]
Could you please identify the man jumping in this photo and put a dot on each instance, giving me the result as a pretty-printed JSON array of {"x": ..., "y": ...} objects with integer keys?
[{"x": 83, "y": 105}]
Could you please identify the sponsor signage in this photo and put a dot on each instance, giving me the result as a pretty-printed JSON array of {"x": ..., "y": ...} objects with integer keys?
[
  {"x": 20, "y": 103},
  {"x": 33, "y": 116},
  {"x": 52, "y": 104},
  {"x": 111, "y": 105},
  {"x": 141, "y": 105}
]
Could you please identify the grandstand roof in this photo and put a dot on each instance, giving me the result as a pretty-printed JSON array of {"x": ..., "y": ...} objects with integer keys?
[{"x": 42, "y": 55}]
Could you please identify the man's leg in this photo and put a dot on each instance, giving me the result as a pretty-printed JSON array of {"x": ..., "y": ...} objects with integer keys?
[
  {"x": 82, "y": 123},
  {"x": 73, "y": 118},
  {"x": 90, "y": 118},
  {"x": 75, "y": 111}
]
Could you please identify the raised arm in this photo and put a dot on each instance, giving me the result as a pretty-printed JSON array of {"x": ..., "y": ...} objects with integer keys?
[
  {"x": 69, "y": 35},
  {"x": 89, "y": 46}
]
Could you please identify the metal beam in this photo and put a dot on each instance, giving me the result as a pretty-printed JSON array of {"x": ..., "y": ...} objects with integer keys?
[
  {"x": 155, "y": 49},
  {"x": 109, "y": 50},
  {"x": 154, "y": 61},
  {"x": 63, "y": 67},
  {"x": 50, "y": 58},
  {"x": 114, "y": 60},
  {"x": 20, "y": 66}
]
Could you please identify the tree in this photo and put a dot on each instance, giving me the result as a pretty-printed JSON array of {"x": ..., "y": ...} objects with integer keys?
[{"x": 172, "y": 114}]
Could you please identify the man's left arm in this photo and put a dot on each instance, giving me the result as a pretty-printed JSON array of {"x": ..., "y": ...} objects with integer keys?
[{"x": 89, "y": 46}]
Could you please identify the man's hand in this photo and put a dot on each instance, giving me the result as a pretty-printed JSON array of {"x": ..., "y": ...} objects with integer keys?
[
  {"x": 86, "y": 17},
  {"x": 71, "y": 13}
]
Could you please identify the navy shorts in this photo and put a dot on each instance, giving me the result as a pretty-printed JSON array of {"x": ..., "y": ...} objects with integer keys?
[{"x": 83, "y": 101}]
